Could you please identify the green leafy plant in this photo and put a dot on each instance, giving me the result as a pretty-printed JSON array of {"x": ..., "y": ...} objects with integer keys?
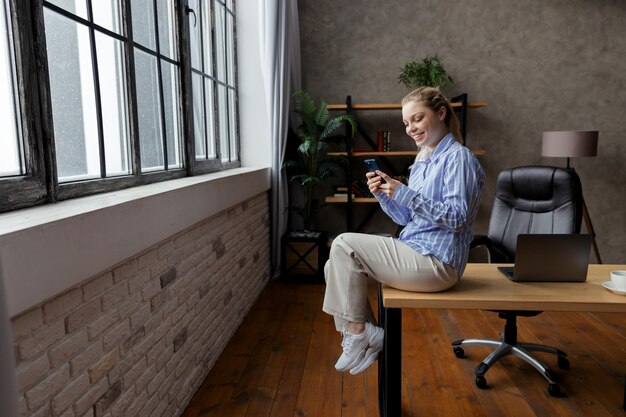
[
  {"x": 311, "y": 166},
  {"x": 427, "y": 72}
]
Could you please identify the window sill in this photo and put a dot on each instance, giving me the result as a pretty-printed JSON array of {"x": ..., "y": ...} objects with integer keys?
[{"x": 48, "y": 249}]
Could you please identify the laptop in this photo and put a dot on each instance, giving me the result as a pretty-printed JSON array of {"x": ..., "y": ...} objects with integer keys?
[{"x": 550, "y": 258}]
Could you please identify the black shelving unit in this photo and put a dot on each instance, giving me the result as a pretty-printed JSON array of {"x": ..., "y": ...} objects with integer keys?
[{"x": 460, "y": 105}]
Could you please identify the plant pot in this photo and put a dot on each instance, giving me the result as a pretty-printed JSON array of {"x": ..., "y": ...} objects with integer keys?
[{"x": 304, "y": 255}]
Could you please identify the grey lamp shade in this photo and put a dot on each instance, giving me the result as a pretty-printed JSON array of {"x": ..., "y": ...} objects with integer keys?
[{"x": 567, "y": 144}]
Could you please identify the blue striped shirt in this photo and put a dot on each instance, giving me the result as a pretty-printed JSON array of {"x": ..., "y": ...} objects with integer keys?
[{"x": 439, "y": 206}]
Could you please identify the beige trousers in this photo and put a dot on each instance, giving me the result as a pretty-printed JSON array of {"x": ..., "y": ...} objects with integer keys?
[{"x": 354, "y": 257}]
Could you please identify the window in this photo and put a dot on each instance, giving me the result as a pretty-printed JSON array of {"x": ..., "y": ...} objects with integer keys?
[
  {"x": 202, "y": 80},
  {"x": 12, "y": 155},
  {"x": 126, "y": 92},
  {"x": 157, "y": 76},
  {"x": 87, "y": 73},
  {"x": 213, "y": 79},
  {"x": 225, "y": 78}
]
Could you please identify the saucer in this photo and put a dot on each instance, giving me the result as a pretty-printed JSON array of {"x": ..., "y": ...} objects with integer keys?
[{"x": 609, "y": 286}]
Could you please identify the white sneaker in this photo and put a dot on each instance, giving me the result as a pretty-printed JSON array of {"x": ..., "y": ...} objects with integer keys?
[
  {"x": 360, "y": 351},
  {"x": 371, "y": 354}
]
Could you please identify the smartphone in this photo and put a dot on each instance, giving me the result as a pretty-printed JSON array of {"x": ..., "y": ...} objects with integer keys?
[{"x": 371, "y": 164}]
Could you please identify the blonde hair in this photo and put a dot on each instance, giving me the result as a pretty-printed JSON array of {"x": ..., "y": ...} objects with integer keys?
[{"x": 432, "y": 97}]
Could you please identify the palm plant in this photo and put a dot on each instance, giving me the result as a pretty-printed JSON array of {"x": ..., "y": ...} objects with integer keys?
[{"x": 312, "y": 166}]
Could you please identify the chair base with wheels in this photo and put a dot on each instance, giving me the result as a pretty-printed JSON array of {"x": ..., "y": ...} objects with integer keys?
[
  {"x": 528, "y": 200},
  {"x": 509, "y": 345}
]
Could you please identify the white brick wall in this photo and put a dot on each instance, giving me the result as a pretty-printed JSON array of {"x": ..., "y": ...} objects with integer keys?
[{"x": 138, "y": 339}]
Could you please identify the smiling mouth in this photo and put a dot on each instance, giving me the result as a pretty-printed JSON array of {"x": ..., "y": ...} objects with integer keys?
[{"x": 418, "y": 136}]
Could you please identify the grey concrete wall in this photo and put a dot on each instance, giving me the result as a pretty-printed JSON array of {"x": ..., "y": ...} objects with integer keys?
[{"x": 541, "y": 65}]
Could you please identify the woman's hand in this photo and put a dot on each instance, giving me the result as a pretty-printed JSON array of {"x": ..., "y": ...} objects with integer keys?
[{"x": 376, "y": 185}]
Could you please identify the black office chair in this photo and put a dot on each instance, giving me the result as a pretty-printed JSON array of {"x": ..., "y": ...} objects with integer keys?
[{"x": 532, "y": 199}]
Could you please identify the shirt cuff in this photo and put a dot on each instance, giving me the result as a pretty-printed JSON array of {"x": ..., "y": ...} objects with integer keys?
[{"x": 381, "y": 197}]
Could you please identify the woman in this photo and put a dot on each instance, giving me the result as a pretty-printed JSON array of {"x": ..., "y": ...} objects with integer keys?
[{"x": 437, "y": 208}]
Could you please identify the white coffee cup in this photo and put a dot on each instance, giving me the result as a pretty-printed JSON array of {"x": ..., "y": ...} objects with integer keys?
[{"x": 618, "y": 279}]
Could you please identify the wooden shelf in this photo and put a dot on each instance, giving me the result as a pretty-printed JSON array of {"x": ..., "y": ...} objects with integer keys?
[
  {"x": 354, "y": 200},
  {"x": 395, "y": 106},
  {"x": 461, "y": 106},
  {"x": 477, "y": 152},
  {"x": 374, "y": 153}
]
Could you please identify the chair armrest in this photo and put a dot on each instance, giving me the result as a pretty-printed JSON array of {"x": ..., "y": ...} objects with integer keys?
[{"x": 496, "y": 253}]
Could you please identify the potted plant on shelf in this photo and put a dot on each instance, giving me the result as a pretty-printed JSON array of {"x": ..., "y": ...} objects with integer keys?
[
  {"x": 429, "y": 71},
  {"x": 309, "y": 167}
]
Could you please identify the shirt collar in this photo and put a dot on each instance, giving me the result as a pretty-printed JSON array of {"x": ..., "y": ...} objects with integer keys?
[{"x": 441, "y": 147}]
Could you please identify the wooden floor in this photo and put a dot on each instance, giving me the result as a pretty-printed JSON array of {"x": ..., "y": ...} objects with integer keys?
[{"x": 280, "y": 363}]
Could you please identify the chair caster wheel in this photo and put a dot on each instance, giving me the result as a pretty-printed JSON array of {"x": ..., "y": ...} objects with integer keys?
[
  {"x": 554, "y": 390},
  {"x": 459, "y": 352},
  {"x": 481, "y": 382},
  {"x": 562, "y": 362}
]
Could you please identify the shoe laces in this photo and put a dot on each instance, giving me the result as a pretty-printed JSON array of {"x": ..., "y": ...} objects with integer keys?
[{"x": 347, "y": 341}]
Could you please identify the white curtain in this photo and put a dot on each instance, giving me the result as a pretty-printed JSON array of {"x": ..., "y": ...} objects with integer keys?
[{"x": 280, "y": 55}]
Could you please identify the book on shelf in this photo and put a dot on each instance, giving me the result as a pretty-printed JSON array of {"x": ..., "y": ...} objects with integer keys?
[
  {"x": 383, "y": 139},
  {"x": 341, "y": 191},
  {"x": 359, "y": 189}
]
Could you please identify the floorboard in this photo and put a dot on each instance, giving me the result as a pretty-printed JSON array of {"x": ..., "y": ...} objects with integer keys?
[{"x": 280, "y": 363}]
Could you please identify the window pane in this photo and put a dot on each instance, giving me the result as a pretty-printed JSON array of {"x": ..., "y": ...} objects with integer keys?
[
  {"x": 198, "y": 116},
  {"x": 11, "y": 157},
  {"x": 230, "y": 50},
  {"x": 200, "y": 37},
  {"x": 78, "y": 7},
  {"x": 206, "y": 38},
  {"x": 223, "y": 120},
  {"x": 148, "y": 111},
  {"x": 143, "y": 23},
  {"x": 209, "y": 88},
  {"x": 232, "y": 124},
  {"x": 171, "y": 98},
  {"x": 204, "y": 125},
  {"x": 195, "y": 27},
  {"x": 167, "y": 27},
  {"x": 73, "y": 98},
  {"x": 112, "y": 73},
  {"x": 220, "y": 41},
  {"x": 107, "y": 13}
]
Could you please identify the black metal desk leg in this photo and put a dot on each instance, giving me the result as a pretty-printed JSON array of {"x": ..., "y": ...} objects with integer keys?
[{"x": 390, "y": 363}]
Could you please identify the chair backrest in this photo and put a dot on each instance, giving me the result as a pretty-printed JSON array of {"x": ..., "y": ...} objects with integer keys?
[{"x": 534, "y": 199}]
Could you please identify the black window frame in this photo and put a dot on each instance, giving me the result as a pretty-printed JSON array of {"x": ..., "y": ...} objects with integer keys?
[
  {"x": 201, "y": 166},
  {"x": 40, "y": 185}
]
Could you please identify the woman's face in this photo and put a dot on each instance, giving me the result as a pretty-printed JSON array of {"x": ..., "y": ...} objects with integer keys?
[{"x": 425, "y": 126}]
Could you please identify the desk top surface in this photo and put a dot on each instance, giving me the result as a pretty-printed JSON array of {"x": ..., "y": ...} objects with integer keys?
[{"x": 484, "y": 287}]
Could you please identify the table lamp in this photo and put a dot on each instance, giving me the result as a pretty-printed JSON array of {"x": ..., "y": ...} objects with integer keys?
[{"x": 572, "y": 144}]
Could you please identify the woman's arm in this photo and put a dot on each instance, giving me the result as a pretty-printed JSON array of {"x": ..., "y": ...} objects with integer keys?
[
  {"x": 399, "y": 214},
  {"x": 462, "y": 180}
]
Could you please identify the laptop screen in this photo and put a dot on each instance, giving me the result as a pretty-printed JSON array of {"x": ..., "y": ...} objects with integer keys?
[{"x": 552, "y": 257}]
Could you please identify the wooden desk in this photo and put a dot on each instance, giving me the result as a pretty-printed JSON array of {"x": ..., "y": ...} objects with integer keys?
[{"x": 483, "y": 287}]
